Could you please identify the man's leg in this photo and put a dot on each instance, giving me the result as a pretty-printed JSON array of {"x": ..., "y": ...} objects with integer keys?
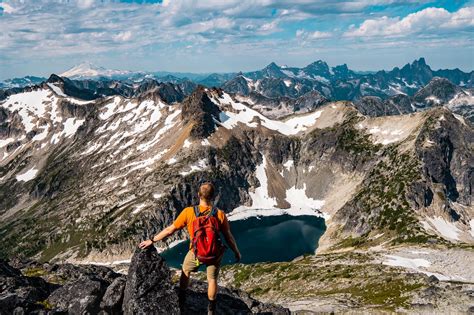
[
  {"x": 189, "y": 265},
  {"x": 184, "y": 280},
  {"x": 212, "y": 289},
  {"x": 212, "y": 275}
]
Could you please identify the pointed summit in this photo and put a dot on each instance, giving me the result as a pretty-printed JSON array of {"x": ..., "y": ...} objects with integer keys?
[
  {"x": 272, "y": 66},
  {"x": 421, "y": 61},
  {"x": 317, "y": 68},
  {"x": 54, "y": 78},
  {"x": 199, "y": 110},
  {"x": 273, "y": 70}
]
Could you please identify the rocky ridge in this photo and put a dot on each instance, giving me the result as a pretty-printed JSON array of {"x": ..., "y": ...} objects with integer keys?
[{"x": 29, "y": 287}]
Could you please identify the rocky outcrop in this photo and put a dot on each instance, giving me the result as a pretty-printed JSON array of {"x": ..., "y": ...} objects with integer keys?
[
  {"x": 20, "y": 294},
  {"x": 149, "y": 288},
  {"x": 81, "y": 296},
  {"x": 89, "y": 289},
  {"x": 201, "y": 111},
  {"x": 112, "y": 300}
]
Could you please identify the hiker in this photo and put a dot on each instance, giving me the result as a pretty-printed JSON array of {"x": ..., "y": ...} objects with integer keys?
[{"x": 204, "y": 222}]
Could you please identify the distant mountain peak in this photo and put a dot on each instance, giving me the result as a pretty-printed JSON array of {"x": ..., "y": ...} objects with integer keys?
[
  {"x": 272, "y": 65},
  {"x": 87, "y": 69},
  {"x": 420, "y": 61},
  {"x": 54, "y": 78},
  {"x": 318, "y": 67}
]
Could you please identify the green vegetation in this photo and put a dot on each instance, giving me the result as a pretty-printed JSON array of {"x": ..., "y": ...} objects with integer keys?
[
  {"x": 46, "y": 304},
  {"x": 34, "y": 272},
  {"x": 352, "y": 276},
  {"x": 383, "y": 201}
]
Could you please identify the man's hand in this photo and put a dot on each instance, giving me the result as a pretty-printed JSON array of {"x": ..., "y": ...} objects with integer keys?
[
  {"x": 145, "y": 244},
  {"x": 238, "y": 256}
]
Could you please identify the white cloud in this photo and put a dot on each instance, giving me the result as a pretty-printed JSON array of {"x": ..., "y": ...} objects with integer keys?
[
  {"x": 85, "y": 3},
  {"x": 305, "y": 35},
  {"x": 426, "y": 20},
  {"x": 7, "y": 8},
  {"x": 123, "y": 36}
]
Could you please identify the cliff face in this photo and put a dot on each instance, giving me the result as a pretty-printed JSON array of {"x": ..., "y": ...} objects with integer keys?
[
  {"x": 86, "y": 180},
  {"x": 34, "y": 288}
]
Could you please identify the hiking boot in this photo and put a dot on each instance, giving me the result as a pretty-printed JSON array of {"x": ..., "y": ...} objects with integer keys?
[
  {"x": 211, "y": 307},
  {"x": 182, "y": 298}
]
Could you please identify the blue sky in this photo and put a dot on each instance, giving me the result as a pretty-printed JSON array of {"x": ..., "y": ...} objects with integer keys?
[{"x": 39, "y": 37}]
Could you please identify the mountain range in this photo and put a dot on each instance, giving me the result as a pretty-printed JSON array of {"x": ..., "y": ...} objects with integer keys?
[
  {"x": 282, "y": 90},
  {"x": 89, "y": 167}
]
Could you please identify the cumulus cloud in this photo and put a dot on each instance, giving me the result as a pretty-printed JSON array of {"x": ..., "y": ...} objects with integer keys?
[
  {"x": 426, "y": 20},
  {"x": 305, "y": 35}
]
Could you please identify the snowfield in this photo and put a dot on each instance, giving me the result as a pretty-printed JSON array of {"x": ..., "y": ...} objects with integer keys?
[
  {"x": 241, "y": 113},
  {"x": 264, "y": 205}
]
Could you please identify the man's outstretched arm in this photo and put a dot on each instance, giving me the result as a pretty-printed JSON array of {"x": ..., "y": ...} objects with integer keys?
[
  {"x": 162, "y": 235},
  {"x": 229, "y": 238}
]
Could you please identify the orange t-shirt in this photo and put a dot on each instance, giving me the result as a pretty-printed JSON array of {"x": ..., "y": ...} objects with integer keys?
[{"x": 186, "y": 217}]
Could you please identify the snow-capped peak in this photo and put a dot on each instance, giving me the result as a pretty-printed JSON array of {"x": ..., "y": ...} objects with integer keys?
[{"x": 87, "y": 69}]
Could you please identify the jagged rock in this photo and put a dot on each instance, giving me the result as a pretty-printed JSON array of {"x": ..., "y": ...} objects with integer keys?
[
  {"x": 20, "y": 294},
  {"x": 79, "y": 297},
  {"x": 113, "y": 297},
  {"x": 149, "y": 289},
  {"x": 200, "y": 110},
  {"x": 74, "y": 272}
]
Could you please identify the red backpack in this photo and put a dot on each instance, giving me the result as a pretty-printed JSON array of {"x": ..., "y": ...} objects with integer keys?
[{"x": 207, "y": 245}]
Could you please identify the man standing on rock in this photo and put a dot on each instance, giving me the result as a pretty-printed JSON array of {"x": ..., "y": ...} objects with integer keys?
[{"x": 204, "y": 222}]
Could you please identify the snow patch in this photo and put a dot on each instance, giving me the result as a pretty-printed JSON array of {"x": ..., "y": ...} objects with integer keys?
[
  {"x": 386, "y": 136},
  {"x": 289, "y": 164},
  {"x": 27, "y": 176},
  {"x": 29, "y": 105},
  {"x": 171, "y": 160},
  {"x": 187, "y": 143},
  {"x": 245, "y": 115},
  {"x": 70, "y": 126},
  {"x": 41, "y": 136},
  {"x": 201, "y": 165},
  {"x": 138, "y": 208},
  {"x": 414, "y": 264},
  {"x": 411, "y": 263},
  {"x": 299, "y": 201},
  {"x": 445, "y": 228},
  {"x": 260, "y": 197},
  {"x": 57, "y": 90},
  {"x": 4, "y": 143}
]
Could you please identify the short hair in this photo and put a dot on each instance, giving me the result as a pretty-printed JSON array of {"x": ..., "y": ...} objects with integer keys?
[{"x": 206, "y": 191}]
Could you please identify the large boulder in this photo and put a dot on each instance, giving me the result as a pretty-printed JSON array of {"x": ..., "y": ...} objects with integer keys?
[
  {"x": 81, "y": 296},
  {"x": 113, "y": 297},
  {"x": 149, "y": 289}
]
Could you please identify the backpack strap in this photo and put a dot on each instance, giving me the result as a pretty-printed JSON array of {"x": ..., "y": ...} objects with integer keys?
[
  {"x": 213, "y": 212},
  {"x": 197, "y": 213}
]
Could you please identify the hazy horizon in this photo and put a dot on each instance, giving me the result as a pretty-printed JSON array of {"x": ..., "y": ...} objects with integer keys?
[{"x": 47, "y": 74}]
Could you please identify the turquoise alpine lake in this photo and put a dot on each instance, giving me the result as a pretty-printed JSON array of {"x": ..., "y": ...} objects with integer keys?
[{"x": 264, "y": 239}]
